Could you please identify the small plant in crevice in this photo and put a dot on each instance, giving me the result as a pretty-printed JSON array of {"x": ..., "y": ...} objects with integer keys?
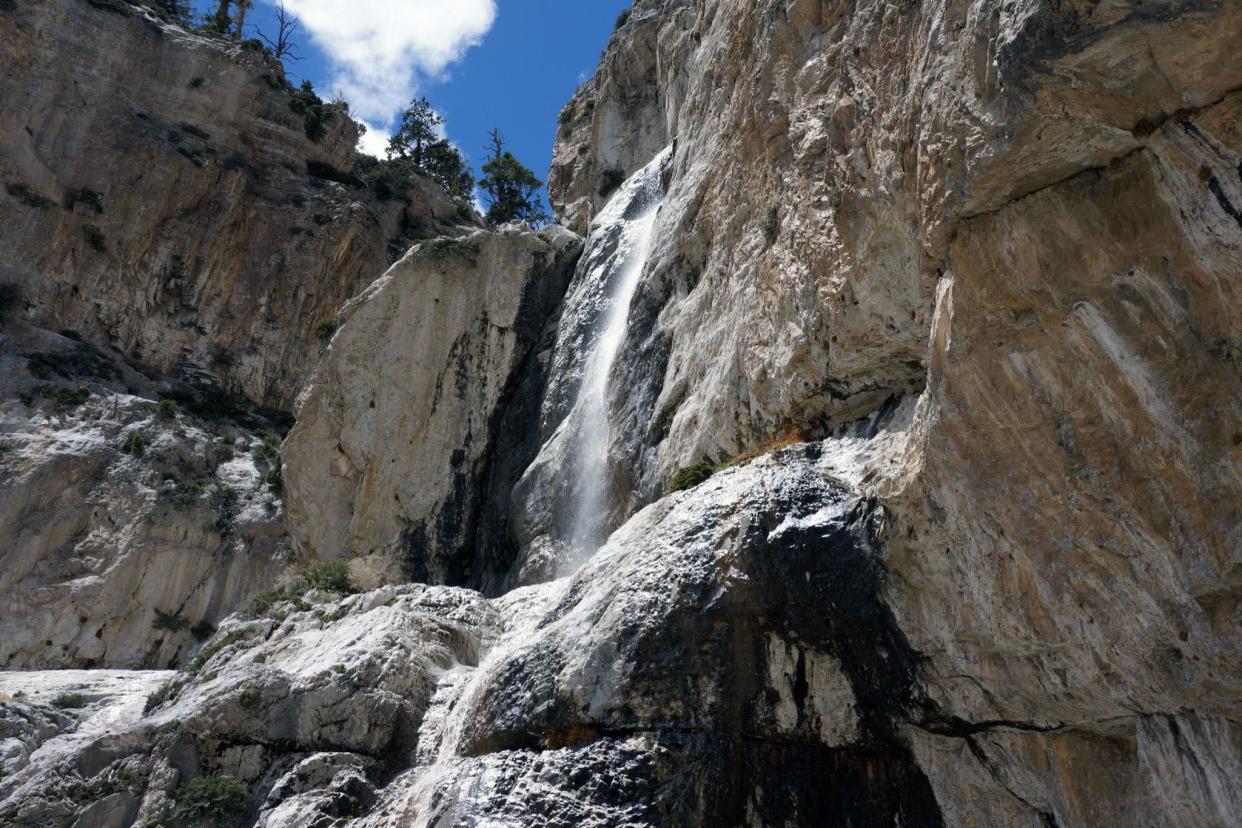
[
  {"x": 250, "y": 698},
  {"x": 690, "y": 476},
  {"x": 324, "y": 330},
  {"x": 274, "y": 479},
  {"x": 65, "y": 398},
  {"x": 264, "y": 604},
  {"x": 135, "y": 445},
  {"x": 70, "y": 701},
  {"x": 770, "y": 225},
  {"x": 212, "y": 649},
  {"x": 169, "y": 733},
  {"x": 696, "y": 473},
  {"x": 315, "y": 115},
  {"x": 210, "y": 797},
  {"x": 169, "y": 621},
  {"x": 167, "y": 409},
  {"x": 331, "y": 575}
]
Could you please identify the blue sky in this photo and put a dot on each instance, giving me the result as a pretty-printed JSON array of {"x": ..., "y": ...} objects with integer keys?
[{"x": 510, "y": 64}]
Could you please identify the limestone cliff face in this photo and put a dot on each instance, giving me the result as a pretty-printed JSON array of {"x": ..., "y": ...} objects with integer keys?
[
  {"x": 971, "y": 266},
  {"x": 130, "y": 525},
  {"x": 162, "y": 196},
  {"x": 419, "y": 408}
]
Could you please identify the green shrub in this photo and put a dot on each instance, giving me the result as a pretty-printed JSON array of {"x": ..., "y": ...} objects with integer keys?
[
  {"x": 325, "y": 330},
  {"x": 196, "y": 83},
  {"x": 622, "y": 19},
  {"x": 169, "y": 733},
  {"x": 264, "y": 604},
  {"x": 169, "y": 621},
  {"x": 66, "y": 397},
  {"x": 135, "y": 445},
  {"x": 690, "y": 476},
  {"x": 154, "y": 700},
  {"x": 167, "y": 409},
  {"x": 314, "y": 114},
  {"x": 10, "y": 299},
  {"x": 771, "y": 225},
  {"x": 275, "y": 480},
  {"x": 251, "y": 697},
  {"x": 331, "y": 575},
  {"x": 210, "y": 797},
  {"x": 95, "y": 238},
  {"x": 70, "y": 701},
  {"x": 27, "y": 196},
  {"x": 213, "y": 649}
]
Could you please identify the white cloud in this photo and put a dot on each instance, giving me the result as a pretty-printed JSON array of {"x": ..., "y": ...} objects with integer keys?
[
  {"x": 374, "y": 141},
  {"x": 379, "y": 48}
]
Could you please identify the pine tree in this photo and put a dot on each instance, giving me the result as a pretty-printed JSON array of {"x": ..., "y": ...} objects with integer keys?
[
  {"x": 419, "y": 125},
  {"x": 445, "y": 164},
  {"x": 509, "y": 188},
  {"x": 221, "y": 21},
  {"x": 177, "y": 11},
  {"x": 418, "y": 145}
]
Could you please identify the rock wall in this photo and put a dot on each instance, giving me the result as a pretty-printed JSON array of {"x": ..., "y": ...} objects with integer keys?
[
  {"x": 976, "y": 260},
  {"x": 162, "y": 195},
  {"x": 131, "y": 524},
  {"x": 421, "y": 401}
]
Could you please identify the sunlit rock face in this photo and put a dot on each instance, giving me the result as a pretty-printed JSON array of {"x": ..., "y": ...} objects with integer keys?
[
  {"x": 416, "y": 422},
  {"x": 977, "y": 262},
  {"x": 128, "y": 527},
  {"x": 162, "y": 195}
]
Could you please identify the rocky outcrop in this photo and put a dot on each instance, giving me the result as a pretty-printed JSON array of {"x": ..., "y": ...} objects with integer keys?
[
  {"x": 169, "y": 195},
  {"x": 680, "y": 677},
  {"x": 131, "y": 523},
  {"x": 420, "y": 405}
]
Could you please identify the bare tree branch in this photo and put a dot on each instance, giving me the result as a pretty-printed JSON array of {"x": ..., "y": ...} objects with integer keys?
[{"x": 286, "y": 27}]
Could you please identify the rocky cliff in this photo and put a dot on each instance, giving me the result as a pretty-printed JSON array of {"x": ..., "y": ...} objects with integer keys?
[
  {"x": 169, "y": 195},
  {"x": 179, "y": 228},
  {"x": 880, "y": 465}
]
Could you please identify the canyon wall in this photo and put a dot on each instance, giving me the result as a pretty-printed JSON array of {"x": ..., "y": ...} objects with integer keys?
[
  {"x": 169, "y": 195},
  {"x": 921, "y": 461}
]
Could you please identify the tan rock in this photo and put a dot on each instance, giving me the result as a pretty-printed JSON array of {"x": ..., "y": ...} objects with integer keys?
[
  {"x": 387, "y": 461},
  {"x": 161, "y": 196}
]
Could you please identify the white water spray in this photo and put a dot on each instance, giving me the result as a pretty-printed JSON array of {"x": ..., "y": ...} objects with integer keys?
[{"x": 630, "y": 216}]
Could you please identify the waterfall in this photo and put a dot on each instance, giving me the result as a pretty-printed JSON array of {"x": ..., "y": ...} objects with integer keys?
[{"x": 621, "y": 242}]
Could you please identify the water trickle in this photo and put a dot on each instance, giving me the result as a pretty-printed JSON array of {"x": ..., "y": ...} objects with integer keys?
[{"x": 622, "y": 235}]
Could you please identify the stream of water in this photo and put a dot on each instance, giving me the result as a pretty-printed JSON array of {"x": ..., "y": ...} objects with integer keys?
[{"x": 628, "y": 221}]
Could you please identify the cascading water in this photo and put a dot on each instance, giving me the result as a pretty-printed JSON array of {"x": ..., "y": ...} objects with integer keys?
[{"x": 623, "y": 233}]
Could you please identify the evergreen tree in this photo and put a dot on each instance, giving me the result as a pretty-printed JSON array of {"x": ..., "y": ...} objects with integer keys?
[
  {"x": 221, "y": 21},
  {"x": 445, "y": 164},
  {"x": 177, "y": 11},
  {"x": 419, "y": 125},
  {"x": 417, "y": 144},
  {"x": 509, "y": 188}
]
